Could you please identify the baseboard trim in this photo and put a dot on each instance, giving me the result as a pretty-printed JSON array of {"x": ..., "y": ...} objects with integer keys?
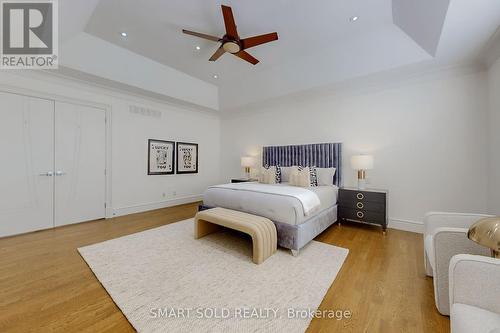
[
  {"x": 407, "y": 225},
  {"x": 156, "y": 205}
]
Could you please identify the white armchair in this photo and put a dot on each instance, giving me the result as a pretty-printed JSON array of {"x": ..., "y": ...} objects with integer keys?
[
  {"x": 445, "y": 235},
  {"x": 474, "y": 294}
]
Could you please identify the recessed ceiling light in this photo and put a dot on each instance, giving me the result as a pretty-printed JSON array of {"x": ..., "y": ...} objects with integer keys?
[
  {"x": 354, "y": 18},
  {"x": 198, "y": 48},
  {"x": 123, "y": 34},
  {"x": 216, "y": 76}
]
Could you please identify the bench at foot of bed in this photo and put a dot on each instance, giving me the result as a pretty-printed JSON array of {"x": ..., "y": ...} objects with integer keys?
[{"x": 261, "y": 229}]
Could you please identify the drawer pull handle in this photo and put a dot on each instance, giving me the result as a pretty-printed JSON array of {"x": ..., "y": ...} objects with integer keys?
[
  {"x": 360, "y": 205},
  {"x": 360, "y": 196},
  {"x": 360, "y": 214}
]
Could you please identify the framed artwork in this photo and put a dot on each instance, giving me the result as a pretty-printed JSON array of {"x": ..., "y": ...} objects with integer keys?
[
  {"x": 161, "y": 157},
  {"x": 187, "y": 157}
]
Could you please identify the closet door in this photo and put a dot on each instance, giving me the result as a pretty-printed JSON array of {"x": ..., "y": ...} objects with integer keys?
[
  {"x": 80, "y": 157},
  {"x": 27, "y": 164}
]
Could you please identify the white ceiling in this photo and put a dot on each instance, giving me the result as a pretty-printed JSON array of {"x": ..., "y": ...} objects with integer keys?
[
  {"x": 423, "y": 20},
  {"x": 154, "y": 29},
  {"x": 74, "y": 16},
  {"x": 317, "y": 45}
]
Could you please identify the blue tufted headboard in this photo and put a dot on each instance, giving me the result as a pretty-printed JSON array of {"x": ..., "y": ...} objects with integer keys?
[{"x": 321, "y": 155}]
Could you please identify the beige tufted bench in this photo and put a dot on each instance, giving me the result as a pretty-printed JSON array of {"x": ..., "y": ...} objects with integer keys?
[{"x": 262, "y": 230}]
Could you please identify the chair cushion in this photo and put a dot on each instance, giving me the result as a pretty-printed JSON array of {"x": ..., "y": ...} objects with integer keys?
[
  {"x": 467, "y": 319},
  {"x": 429, "y": 249}
]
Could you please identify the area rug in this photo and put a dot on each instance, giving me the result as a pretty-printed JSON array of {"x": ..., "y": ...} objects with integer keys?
[{"x": 164, "y": 280}]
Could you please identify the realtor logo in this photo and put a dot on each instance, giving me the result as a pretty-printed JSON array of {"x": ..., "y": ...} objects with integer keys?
[{"x": 29, "y": 34}]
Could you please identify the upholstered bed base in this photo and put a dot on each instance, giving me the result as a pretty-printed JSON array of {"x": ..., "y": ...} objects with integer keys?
[{"x": 295, "y": 237}]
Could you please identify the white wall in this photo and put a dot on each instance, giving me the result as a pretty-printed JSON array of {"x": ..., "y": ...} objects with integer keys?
[
  {"x": 132, "y": 189},
  {"x": 428, "y": 135},
  {"x": 494, "y": 122},
  {"x": 131, "y": 184}
]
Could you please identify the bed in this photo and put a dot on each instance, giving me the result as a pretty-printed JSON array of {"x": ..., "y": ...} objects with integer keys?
[{"x": 283, "y": 204}]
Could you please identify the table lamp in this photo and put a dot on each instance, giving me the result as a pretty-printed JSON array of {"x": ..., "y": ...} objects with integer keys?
[
  {"x": 361, "y": 163},
  {"x": 247, "y": 162},
  {"x": 486, "y": 232}
]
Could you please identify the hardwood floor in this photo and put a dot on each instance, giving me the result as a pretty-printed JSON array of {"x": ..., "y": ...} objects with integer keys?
[{"x": 46, "y": 286}]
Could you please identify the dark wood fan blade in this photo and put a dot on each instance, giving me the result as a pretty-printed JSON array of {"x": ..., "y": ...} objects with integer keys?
[
  {"x": 204, "y": 36},
  {"x": 231, "y": 31},
  {"x": 220, "y": 51},
  {"x": 247, "y": 56},
  {"x": 258, "y": 40}
]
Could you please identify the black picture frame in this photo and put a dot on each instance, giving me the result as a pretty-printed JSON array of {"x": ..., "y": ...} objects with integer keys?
[
  {"x": 179, "y": 145},
  {"x": 157, "y": 173}
]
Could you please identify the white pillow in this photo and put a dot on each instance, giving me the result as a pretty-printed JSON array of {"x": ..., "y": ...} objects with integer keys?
[
  {"x": 299, "y": 177},
  {"x": 268, "y": 176},
  {"x": 325, "y": 176},
  {"x": 285, "y": 174}
]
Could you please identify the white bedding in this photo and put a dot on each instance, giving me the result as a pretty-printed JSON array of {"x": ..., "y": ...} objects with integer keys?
[{"x": 278, "y": 202}]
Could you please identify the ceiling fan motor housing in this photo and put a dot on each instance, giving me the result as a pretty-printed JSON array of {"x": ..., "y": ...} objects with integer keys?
[{"x": 231, "y": 46}]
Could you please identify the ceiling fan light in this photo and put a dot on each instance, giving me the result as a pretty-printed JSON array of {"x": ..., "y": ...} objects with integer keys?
[{"x": 231, "y": 47}]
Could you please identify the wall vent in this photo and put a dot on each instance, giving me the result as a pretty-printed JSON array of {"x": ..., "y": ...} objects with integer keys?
[{"x": 145, "y": 111}]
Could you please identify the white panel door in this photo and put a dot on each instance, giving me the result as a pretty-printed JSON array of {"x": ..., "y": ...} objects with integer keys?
[
  {"x": 26, "y": 164},
  {"x": 80, "y": 156}
]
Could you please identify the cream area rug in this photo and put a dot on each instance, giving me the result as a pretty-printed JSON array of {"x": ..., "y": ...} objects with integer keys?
[{"x": 164, "y": 280}]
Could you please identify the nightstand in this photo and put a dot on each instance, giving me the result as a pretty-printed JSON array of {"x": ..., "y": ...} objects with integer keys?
[
  {"x": 366, "y": 206},
  {"x": 243, "y": 180}
]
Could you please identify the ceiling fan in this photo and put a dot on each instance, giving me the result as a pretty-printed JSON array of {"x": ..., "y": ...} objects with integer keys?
[{"x": 231, "y": 42}]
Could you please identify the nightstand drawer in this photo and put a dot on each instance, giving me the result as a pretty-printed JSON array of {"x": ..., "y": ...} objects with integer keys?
[
  {"x": 361, "y": 196},
  {"x": 362, "y": 215},
  {"x": 364, "y": 205}
]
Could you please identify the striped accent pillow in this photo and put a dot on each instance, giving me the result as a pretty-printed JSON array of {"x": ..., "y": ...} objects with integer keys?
[
  {"x": 314, "y": 176},
  {"x": 278, "y": 174}
]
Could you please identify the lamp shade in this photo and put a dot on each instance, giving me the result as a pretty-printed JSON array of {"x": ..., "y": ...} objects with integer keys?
[
  {"x": 487, "y": 233},
  {"x": 362, "y": 162},
  {"x": 247, "y": 161}
]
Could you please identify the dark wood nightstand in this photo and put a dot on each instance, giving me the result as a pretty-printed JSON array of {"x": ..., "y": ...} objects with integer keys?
[
  {"x": 243, "y": 180},
  {"x": 367, "y": 206}
]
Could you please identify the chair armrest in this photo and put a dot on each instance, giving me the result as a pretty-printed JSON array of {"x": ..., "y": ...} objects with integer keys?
[
  {"x": 447, "y": 243},
  {"x": 434, "y": 220},
  {"x": 475, "y": 281}
]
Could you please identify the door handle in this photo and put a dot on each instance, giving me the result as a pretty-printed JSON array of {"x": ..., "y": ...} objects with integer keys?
[
  {"x": 60, "y": 173},
  {"x": 47, "y": 174}
]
